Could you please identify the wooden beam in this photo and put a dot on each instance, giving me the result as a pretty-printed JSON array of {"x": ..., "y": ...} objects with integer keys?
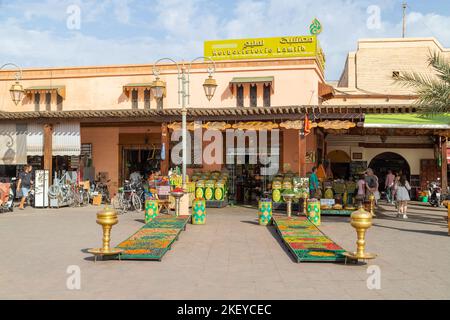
[
  {"x": 396, "y": 145},
  {"x": 48, "y": 151},
  {"x": 302, "y": 155},
  {"x": 166, "y": 141}
]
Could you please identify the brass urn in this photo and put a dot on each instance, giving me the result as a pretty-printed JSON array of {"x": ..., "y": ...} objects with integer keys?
[
  {"x": 106, "y": 218},
  {"x": 361, "y": 220}
]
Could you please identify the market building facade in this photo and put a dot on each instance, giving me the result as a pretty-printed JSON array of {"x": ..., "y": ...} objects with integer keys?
[{"x": 106, "y": 119}]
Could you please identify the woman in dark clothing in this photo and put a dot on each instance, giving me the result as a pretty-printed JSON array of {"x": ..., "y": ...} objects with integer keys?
[{"x": 24, "y": 184}]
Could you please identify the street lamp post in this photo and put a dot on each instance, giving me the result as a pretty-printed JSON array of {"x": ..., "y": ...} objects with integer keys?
[
  {"x": 16, "y": 89},
  {"x": 159, "y": 88}
]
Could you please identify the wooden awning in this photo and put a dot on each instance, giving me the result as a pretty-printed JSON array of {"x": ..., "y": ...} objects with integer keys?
[
  {"x": 317, "y": 112},
  {"x": 325, "y": 91},
  {"x": 251, "y": 80},
  {"x": 136, "y": 86},
  {"x": 59, "y": 89}
]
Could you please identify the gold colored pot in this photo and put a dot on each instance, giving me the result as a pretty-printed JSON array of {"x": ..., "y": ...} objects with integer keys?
[
  {"x": 106, "y": 218},
  {"x": 361, "y": 220}
]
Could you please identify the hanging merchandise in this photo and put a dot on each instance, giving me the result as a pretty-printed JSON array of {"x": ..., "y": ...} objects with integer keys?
[{"x": 163, "y": 152}]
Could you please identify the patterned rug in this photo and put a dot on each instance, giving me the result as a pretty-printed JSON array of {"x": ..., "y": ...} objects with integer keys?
[
  {"x": 306, "y": 241},
  {"x": 154, "y": 239}
]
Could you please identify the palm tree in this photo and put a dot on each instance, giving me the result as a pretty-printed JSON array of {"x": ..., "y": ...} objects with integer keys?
[{"x": 433, "y": 90}]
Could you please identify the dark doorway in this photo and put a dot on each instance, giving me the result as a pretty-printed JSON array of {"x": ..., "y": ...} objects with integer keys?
[{"x": 389, "y": 161}]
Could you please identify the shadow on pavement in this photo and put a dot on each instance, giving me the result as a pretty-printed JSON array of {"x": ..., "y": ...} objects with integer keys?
[
  {"x": 430, "y": 232},
  {"x": 250, "y": 222},
  {"x": 277, "y": 237}
]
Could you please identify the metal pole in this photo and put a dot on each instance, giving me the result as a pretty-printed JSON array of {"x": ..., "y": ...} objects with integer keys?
[
  {"x": 183, "y": 125},
  {"x": 18, "y": 74},
  {"x": 404, "y": 19}
]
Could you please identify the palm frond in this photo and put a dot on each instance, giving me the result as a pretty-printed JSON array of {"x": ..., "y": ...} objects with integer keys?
[
  {"x": 433, "y": 90},
  {"x": 441, "y": 66}
]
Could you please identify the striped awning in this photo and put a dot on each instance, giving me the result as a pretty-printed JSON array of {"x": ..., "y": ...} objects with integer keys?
[
  {"x": 13, "y": 144},
  {"x": 66, "y": 139}
]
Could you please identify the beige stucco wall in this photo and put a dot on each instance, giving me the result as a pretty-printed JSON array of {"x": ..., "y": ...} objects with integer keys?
[
  {"x": 368, "y": 71},
  {"x": 101, "y": 88},
  {"x": 105, "y": 152}
]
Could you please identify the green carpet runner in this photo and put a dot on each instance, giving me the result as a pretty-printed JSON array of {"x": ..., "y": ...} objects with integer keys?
[
  {"x": 306, "y": 241},
  {"x": 154, "y": 239}
]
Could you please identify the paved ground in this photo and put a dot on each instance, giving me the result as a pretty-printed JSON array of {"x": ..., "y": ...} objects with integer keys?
[{"x": 229, "y": 258}]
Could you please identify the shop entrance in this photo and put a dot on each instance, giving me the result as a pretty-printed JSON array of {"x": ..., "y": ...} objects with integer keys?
[
  {"x": 139, "y": 152},
  {"x": 389, "y": 161},
  {"x": 143, "y": 159},
  {"x": 340, "y": 164}
]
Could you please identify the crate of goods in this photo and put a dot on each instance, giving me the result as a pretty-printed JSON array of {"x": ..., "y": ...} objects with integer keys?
[
  {"x": 209, "y": 190},
  {"x": 200, "y": 189}
]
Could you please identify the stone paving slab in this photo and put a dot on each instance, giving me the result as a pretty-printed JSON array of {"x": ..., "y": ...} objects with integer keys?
[{"x": 224, "y": 259}]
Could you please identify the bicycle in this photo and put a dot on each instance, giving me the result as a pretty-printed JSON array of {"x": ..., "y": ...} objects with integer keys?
[
  {"x": 80, "y": 196},
  {"x": 62, "y": 191},
  {"x": 101, "y": 188},
  {"x": 127, "y": 198}
]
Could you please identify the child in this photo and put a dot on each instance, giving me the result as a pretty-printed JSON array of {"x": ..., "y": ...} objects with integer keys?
[{"x": 402, "y": 193}]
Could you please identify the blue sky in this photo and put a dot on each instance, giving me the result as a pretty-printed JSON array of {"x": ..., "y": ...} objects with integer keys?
[{"x": 36, "y": 33}]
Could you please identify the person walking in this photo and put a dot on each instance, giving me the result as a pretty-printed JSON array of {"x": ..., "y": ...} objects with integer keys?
[
  {"x": 361, "y": 194},
  {"x": 389, "y": 186},
  {"x": 402, "y": 193},
  {"x": 372, "y": 185},
  {"x": 313, "y": 183},
  {"x": 24, "y": 184}
]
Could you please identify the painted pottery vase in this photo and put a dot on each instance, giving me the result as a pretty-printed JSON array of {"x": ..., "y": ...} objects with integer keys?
[
  {"x": 199, "y": 211},
  {"x": 313, "y": 211},
  {"x": 151, "y": 210},
  {"x": 264, "y": 212}
]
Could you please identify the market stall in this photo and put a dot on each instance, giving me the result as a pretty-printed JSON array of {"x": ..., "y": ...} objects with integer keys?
[
  {"x": 289, "y": 183},
  {"x": 211, "y": 186}
]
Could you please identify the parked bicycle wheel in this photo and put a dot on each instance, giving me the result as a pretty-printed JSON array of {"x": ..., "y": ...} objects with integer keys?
[
  {"x": 136, "y": 202},
  {"x": 54, "y": 191},
  {"x": 123, "y": 205}
]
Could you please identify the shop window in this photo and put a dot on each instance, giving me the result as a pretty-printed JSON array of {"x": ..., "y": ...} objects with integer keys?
[
  {"x": 59, "y": 102},
  {"x": 48, "y": 101},
  {"x": 240, "y": 96},
  {"x": 159, "y": 104},
  {"x": 253, "y": 95},
  {"x": 134, "y": 99},
  {"x": 147, "y": 99},
  {"x": 266, "y": 95},
  {"x": 37, "y": 100}
]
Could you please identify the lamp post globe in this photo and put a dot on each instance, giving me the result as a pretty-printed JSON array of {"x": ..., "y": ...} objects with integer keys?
[
  {"x": 16, "y": 92},
  {"x": 210, "y": 86},
  {"x": 158, "y": 87}
]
